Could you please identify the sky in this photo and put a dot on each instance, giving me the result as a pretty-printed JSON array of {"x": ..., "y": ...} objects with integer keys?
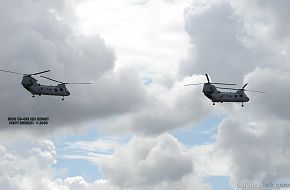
[{"x": 137, "y": 126}]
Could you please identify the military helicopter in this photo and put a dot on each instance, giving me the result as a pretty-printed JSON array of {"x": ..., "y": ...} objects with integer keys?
[
  {"x": 210, "y": 91},
  {"x": 30, "y": 84}
]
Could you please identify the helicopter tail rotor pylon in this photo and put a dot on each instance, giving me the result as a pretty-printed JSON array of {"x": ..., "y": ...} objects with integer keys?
[{"x": 207, "y": 78}]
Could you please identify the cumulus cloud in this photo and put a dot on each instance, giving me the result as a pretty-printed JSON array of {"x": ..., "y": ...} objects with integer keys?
[
  {"x": 214, "y": 32},
  {"x": 258, "y": 153},
  {"x": 48, "y": 39},
  {"x": 147, "y": 162},
  {"x": 274, "y": 104},
  {"x": 250, "y": 41},
  {"x": 26, "y": 165},
  {"x": 257, "y": 138},
  {"x": 39, "y": 36},
  {"x": 155, "y": 163},
  {"x": 233, "y": 41},
  {"x": 167, "y": 108}
]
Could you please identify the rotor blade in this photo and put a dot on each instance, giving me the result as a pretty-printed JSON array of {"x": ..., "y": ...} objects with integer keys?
[
  {"x": 53, "y": 80},
  {"x": 193, "y": 84},
  {"x": 255, "y": 91},
  {"x": 228, "y": 88},
  {"x": 12, "y": 72},
  {"x": 40, "y": 72},
  {"x": 66, "y": 82},
  {"x": 223, "y": 83},
  {"x": 241, "y": 89},
  {"x": 207, "y": 78},
  {"x": 245, "y": 86},
  {"x": 78, "y": 83}
]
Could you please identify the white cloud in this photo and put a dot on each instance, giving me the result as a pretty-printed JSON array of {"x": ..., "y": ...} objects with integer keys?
[
  {"x": 257, "y": 153},
  {"x": 145, "y": 162},
  {"x": 214, "y": 32},
  {"x": 39, "y": 36},
  {"x": 246, "y": 41},
  {"x": 76, "y": 183},
  {"x": 155, "y": 163},
  {"x": 166, "y": 109},
  {"x": 147, "y": 35},
  {"x": 26, "y": 164},
  {"x": 209, "y": 161},
  {"x": 233, "y": 41}
]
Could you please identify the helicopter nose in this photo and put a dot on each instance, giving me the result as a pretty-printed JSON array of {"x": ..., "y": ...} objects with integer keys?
[{"x": 68, "y": 93}]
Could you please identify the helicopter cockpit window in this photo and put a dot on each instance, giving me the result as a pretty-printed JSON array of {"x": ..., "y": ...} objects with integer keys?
[
  {"x": 241, "y": 95},
  {"x": 61, "y": 89}
]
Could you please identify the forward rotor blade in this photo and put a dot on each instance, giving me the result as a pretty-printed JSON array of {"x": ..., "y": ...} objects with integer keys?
[
  {"x": 12, "y": 72},
  {"x": 193, "y": 84},
  {"x": 53, "y": 80},
  {"x": 40, "y": 72},
  {"x": 223, "y": 83},
  {"x": 207, "y": 78}
]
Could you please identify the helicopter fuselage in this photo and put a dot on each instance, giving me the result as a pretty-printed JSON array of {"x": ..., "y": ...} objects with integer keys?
[
  {"x": 214, "y": 95},
  {"x": 30, "y": 84},
  {"x": 211, "y": 92}
]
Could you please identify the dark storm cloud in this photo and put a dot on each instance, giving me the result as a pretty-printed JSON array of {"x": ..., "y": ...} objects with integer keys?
[{"x": 37, "y": 36}]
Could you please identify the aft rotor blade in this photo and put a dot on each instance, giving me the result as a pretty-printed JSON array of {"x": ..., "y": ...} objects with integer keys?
[
  {"x": 245, "y": 86},
  {"x": 12, "y": 72},
  {"x": 40, "y": 72},
  {"x": 223, "y": 83},
  {"x": 193, "y": 84},
  {"x": 207, "y": 78},
  {"x": 53, "y": 80},
  {"x": 78, "y": 83},
  {"x": 228, "y": 88},
  {"x": 255, "y": 91},
  {"x": 241, "y": 89},
  {"x": 65, "y": 82}
]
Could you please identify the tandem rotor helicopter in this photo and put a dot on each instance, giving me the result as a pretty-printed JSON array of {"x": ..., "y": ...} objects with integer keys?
[
  {"x": 30, "y": 84},
  {"x": 210, "y": 91}
]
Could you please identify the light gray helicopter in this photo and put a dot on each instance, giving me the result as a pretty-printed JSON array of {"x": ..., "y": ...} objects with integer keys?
[
  {"x": 214, "y": 95},
  {"x": 30, "y": 84}
]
